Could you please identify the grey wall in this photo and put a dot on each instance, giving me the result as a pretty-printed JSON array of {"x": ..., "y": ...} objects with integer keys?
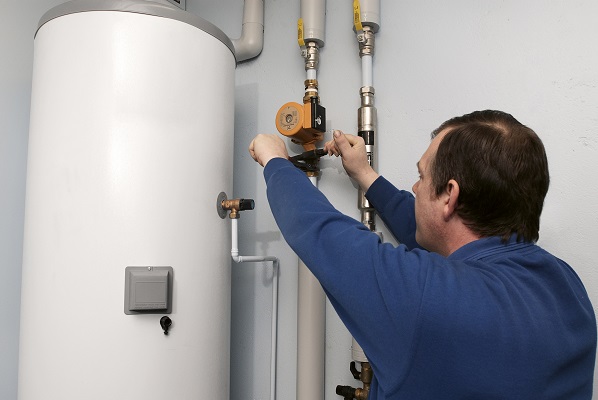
[
  {"x": 434, "y": 60},
  {"x": 18, "y": 21}
]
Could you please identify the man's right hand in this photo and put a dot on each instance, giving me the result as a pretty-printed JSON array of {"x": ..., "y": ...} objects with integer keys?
[
  {"x": 263, "y": 148},
  {"x": 355, "y": 161}
]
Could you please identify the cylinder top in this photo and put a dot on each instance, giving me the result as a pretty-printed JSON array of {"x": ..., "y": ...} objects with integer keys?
[{"x": 138, "y": 7}]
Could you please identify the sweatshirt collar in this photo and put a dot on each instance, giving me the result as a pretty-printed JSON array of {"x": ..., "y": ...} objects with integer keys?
[{"x": 487, "y": 246}]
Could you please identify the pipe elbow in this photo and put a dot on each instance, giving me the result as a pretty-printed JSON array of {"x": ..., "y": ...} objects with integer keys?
[{"x": 251, "y": 42}]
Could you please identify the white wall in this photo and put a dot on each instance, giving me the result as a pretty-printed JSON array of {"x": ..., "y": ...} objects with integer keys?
[{"x": 434, "y": 60}]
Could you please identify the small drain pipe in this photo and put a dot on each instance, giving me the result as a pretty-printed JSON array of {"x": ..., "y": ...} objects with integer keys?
[
  {"x": 251, "y": 42},
  {"x": 234, "y": 252},
  {"x": 235, "y": 206}
]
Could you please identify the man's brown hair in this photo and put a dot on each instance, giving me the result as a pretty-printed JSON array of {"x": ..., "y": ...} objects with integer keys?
[{"x": 502, "y": 172}]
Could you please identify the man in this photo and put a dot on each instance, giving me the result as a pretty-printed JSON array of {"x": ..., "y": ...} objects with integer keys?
[{"x": 468, "y": 306}]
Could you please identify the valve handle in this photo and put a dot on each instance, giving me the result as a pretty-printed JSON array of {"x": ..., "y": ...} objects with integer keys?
[
  {"x": 165, "y": 323},
  {"x": 246, "y": 204},
  {"x": 356, "y": 374}
]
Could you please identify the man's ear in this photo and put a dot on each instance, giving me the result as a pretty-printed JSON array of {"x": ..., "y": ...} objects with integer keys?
[{"x": 451, "y": 193}]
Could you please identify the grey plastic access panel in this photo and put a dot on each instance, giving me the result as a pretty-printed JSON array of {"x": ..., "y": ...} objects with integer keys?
[{"x": 148, "y": 290}]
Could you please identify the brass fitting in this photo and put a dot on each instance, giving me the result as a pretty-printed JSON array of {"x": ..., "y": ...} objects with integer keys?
[
  {"x": 311, "y": 91},
  {"x": 350, "y": 393},
  {"x": 365, "y": 376},
  {"x": 361, "y": 394},
  {"x": 237, "y": 205}
]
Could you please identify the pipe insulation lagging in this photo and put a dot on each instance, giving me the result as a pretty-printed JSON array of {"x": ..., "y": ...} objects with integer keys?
[
  {"x": 311, "y": 336},
  {"x": 370, "y": 13},
  {"x": 311, "y": 333},
  {"x": 251, "y": 42},
  {"x": 313, "y": 14}
]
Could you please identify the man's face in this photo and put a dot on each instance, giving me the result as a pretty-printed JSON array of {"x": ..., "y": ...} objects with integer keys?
[{"x": 428, "y": 207}]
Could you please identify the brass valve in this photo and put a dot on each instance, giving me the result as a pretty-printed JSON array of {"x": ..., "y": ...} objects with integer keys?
[
  {"x": 365, "y": 376},
  {"x": 234, "y": 205}
]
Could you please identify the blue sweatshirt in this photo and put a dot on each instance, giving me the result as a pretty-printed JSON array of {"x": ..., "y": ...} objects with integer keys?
[{"x": 491, "y": 321}]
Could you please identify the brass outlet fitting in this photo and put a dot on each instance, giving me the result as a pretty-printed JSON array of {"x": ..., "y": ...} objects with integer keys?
[
  {"x": 234, "y": 206},
  {"x": 365, "y": 376},
  {"x": 311, "y": 91}
]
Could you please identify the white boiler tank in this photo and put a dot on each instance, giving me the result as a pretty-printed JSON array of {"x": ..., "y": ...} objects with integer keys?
[{"x": 131, "y": 142}]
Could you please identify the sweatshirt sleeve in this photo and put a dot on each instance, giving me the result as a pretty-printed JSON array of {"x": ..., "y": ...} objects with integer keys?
[
  {"x": 397, "y": 210},
  {"x": 375, "y": 288}
]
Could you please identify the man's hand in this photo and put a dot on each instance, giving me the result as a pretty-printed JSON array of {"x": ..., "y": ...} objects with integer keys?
[
  {"x": 263, "y": 148},
  {"x": 355, "y": 161}
]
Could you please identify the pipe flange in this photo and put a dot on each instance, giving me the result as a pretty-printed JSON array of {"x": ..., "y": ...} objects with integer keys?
[{"x": 219, "y": 208}]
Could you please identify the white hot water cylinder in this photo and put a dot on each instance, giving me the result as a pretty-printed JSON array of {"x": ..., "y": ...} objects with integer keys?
[{"x": 131, "y": 142}]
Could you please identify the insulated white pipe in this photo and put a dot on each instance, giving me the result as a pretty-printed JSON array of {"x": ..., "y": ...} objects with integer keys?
[
  {"x": 251, "y": 42},
  {"x": 311, "y": 333},
  {"x": 357, "y": 353},
  {"x": 234, "y": 252},
  {"x": 367, "y": 71},
  {"x": 313, "y": 13}
]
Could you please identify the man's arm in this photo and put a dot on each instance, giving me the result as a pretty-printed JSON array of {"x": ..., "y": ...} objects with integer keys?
[
  {"x": 395, "y": 207},
  {"x": 397, "y": 210},
  {"x": 351, "y": 264}
]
